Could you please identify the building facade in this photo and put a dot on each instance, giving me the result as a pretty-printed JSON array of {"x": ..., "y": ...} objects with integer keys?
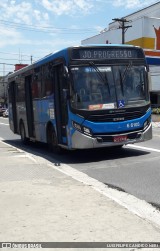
[
  {"x": 4, "y": 85},
  {"x": 144, "y": 32},
  {"x": 3, "y": 90}
]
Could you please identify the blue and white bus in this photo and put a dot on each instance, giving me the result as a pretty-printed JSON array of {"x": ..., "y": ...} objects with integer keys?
[{"x": 83, "y": 97}]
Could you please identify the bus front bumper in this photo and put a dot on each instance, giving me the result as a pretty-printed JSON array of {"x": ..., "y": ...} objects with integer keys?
[{"x": 82, "y": 141}]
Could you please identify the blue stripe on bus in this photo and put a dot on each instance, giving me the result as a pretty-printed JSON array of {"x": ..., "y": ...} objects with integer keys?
[{"x": 153, "y": 61}]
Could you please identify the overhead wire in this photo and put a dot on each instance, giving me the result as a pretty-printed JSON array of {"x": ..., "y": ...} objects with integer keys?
[
  {"x": 47, "y": 29},
  {"x": 17, "y": 54},
  {"x": 14, "y": 59}
]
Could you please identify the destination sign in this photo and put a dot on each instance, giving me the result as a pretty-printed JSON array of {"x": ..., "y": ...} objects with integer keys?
[{"x": 109, "y": 53}]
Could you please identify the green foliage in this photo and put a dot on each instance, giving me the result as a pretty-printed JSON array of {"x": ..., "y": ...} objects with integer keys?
[{"x": 156, "y": 110}]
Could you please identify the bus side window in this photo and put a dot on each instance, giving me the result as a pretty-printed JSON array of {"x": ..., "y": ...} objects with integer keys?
[
  {"x": 20, "y": 89},
  {"x": 36, "y": 88},
  {"x": 48, "y": 87},
  {"x": 47, "y": 80}
]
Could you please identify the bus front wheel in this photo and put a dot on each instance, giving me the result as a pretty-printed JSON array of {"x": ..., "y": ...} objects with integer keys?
[{"x": 52, "y": 141}]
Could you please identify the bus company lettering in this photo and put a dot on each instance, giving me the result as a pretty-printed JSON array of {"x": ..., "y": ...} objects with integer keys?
[{"x": 106, "y": 54}]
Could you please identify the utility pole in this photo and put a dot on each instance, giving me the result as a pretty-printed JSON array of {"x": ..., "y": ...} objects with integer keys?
[{"x": 122, "y": 26}]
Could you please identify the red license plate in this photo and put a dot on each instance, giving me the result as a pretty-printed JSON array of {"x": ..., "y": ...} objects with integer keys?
[{"x": 121, "y": 138}]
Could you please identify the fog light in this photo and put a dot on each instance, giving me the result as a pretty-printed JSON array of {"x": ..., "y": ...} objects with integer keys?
[{"x": 86, "y": 130}]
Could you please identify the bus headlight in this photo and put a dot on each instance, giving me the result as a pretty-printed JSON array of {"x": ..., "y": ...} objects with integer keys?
[
  {"x": 82, "y": 129},
  {"x": 87, "y": 131}
]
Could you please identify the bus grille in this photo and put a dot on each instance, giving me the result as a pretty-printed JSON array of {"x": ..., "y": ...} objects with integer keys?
[{"x": 115, "y": 117}]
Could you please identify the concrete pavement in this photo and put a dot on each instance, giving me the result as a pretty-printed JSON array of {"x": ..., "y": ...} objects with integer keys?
[
  {"x": 156, "y": 124},
  {"x": 41, "y": 201}
]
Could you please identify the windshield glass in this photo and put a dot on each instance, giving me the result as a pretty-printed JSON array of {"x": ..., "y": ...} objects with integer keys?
[{"x": 108, "y": 87}]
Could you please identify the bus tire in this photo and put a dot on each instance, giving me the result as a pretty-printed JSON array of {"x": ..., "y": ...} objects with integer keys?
[
  {"x": 24, "y": 139},
  {"x": 52, "y": 141}
]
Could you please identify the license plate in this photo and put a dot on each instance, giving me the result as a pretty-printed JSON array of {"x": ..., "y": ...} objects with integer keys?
[{"x": 120, "y": 138}]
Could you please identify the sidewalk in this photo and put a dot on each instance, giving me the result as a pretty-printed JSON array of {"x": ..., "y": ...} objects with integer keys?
[
  {"x": 41, "y": 204},
  {"x": 156, "y": 124}
]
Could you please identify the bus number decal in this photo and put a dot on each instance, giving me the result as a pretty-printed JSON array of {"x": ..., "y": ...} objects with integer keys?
[{"x": 131, "y": 125}]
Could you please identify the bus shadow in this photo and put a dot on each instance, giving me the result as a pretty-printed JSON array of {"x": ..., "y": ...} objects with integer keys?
[
  {"x": 78, "y": 156},
  {"x": 101, "y": 154}
]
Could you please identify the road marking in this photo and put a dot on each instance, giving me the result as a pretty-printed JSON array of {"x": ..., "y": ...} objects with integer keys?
[
  {"x": 4, "y": 124},
  {"x": 144, "y": 148}
]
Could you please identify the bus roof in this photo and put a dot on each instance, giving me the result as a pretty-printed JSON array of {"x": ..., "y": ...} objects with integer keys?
[{"x": 64, "y": 54}]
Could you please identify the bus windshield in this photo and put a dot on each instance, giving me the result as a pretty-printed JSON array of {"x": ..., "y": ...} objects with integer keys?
[{"x": 108, "y": 87}]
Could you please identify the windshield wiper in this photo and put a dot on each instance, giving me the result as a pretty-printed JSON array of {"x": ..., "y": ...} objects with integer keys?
[
  {"x": 104, "y": 79},
  {"x": 106, "y": 83},
  {"x": 128, "y": 67}
]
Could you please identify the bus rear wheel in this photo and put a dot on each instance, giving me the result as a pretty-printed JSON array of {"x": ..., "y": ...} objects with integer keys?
[
  {"x": 24, "y": 139},
  {"x": 52, "y": 141}
]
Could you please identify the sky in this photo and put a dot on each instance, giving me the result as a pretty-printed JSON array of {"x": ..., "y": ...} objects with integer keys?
[{"x": 32, "y": 29}]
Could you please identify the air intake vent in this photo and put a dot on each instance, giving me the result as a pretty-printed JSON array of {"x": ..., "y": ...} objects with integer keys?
[{"x": 116, "y": 117}]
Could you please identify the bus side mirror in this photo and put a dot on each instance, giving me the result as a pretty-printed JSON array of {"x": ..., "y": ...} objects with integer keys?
[
  {"x": 149, "y": 82},
  {"x": 65, "y": 77},
  {"x": 65, "y": 72}
]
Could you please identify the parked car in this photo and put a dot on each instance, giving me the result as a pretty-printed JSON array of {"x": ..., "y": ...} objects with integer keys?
[
  {"x": 2, "y": 110},
  {"x": 5, "y": 114}
]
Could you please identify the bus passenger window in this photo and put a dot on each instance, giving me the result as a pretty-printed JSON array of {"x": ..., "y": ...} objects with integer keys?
[
  {"x": 35, "y": 89},
  {"x": 20, "y": 90},
  {"x": 48, "y": 87},
  {"x": 47, "y": 81}
]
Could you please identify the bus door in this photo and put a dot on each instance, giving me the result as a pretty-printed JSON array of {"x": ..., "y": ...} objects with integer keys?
[
  {"x": 29, "y": 106},
  {"x": 12, "y": 107},
  {"x": 61, "y": 111}
]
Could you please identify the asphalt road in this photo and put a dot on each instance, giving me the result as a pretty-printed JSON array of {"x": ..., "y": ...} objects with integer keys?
[{"x": 132, "y": 169}]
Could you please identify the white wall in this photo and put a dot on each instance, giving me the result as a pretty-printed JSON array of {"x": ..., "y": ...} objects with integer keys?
[
  {"x": 143, "y": 23},
  {"x": 141, "y": 27},
  {"x": 155, "y": 77}
]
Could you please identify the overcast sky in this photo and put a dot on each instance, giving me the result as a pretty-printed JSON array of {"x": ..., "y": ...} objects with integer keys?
[{"x": 38, "y": 27}]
